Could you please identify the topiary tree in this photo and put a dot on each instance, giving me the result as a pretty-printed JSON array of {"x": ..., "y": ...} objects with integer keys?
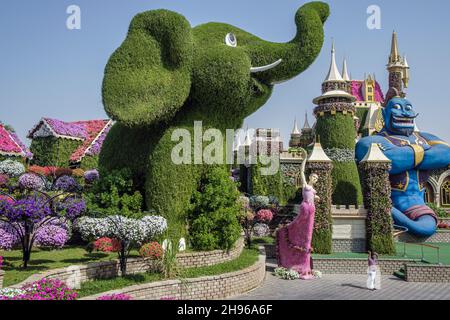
[
  {"x": 33, "y": 215},
  {"x": 166, "y": 75}
]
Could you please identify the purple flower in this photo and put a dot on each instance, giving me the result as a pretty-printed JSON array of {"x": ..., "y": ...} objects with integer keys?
[
  {"x": 67, "y": 184},
  {"x": 8, "y": 236},
  {"x": 32, "y": 209},
  {"x": 115, "y": 296},
  {"x": 4, "y": 179},
  {"x": 72, "y": 207},
  {"x": 30, "y": 181},
  {"x": 91, "y": 176},
  {"x": 54, "y": 234}
]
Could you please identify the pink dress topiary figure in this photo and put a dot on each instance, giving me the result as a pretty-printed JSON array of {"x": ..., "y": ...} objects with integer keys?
[{"x": 294, "y": 240}]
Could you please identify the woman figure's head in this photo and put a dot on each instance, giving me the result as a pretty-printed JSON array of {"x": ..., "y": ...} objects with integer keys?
[{"x": 313, "y": 179}]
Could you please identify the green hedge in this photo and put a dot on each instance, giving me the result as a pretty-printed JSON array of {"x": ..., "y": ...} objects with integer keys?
[
  {"x": 338, "y": 131},
  {"x": 51, "y": 151}
]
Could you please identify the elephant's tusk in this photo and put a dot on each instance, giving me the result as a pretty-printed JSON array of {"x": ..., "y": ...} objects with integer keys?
[{"x": 265, "y": 68}]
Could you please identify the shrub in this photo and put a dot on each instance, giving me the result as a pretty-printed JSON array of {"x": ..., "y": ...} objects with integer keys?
[
  {"x": 11, "y": 168},
  {"x": 4, "y": 180},
  {"x": 67, "y": 184},
  {"x": 54, "y": 234},
  {"x": 30, "y": 181},
  {"x": 114, "y": 194},
  {"x": 259, "y": 202},
  {"x": 152, "y": 250},
  {"x": 106, "y": 244},
  {"x": 261, "y": 230},
  {"x": 115, "y": 296},
  {"x": 215, "y": 212},
  {"x": 264, "y": 215},
  {"x": 8, "y": 236},
  {"x": 91, "y": 176},
  {"x": 441, "y": 212}
]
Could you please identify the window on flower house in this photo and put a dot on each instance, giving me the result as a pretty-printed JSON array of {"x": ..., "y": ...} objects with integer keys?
[{"x": 445, "y": 193}]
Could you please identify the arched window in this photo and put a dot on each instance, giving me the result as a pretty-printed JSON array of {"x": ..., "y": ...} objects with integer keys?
[
  {"x": 429, "y": 193},
  {"x": 445, "y": 193}
]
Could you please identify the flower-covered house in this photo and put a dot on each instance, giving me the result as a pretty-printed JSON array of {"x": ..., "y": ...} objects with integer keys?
[
  {"x": 61, "y": 144},
  {"x": 11, "y": 147}
]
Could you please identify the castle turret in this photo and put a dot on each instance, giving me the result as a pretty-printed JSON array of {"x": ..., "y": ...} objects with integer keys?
[
  {"x": 307, "y": 137},
  {"x": 335, "y": 126},
  {"x": 294, "y": 142},
  {"x": 398, "y": 69}
]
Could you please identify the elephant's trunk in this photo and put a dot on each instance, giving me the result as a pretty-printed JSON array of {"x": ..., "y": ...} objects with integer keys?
[{"x": 298, "y": 54}]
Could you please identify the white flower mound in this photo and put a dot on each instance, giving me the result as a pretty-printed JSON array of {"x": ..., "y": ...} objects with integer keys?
[
  {"x": 122, "y": 228},
  {"x": 11, "y": 168}
]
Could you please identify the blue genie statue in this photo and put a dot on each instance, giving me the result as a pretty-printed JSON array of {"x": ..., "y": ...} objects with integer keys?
[{"x": 412, "y": 154}]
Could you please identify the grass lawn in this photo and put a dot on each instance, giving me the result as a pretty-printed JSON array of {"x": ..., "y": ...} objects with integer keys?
[
  {"x": 412, "y": 252},
  {"x": 246, "y": 259},
  {"x": 42, "y": 260}
]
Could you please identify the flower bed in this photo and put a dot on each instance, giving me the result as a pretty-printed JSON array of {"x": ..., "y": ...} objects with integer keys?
[{"x": 202, "y": 288}]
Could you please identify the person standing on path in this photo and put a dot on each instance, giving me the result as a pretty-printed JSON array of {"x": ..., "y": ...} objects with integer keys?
[{"x": 372, "y": 283}]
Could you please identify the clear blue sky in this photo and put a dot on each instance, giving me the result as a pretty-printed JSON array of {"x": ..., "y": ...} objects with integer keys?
[{"x": 47, "y": 70}]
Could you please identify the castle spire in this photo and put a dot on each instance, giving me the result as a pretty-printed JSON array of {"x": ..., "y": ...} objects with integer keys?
[
  {"x": 333, "y": 73},
  {"x": 306, "y": 125},
  {"x": 395, "y": 56},
  {"x": 295, "y": 130},
  {"x": 345, "y": 71}
]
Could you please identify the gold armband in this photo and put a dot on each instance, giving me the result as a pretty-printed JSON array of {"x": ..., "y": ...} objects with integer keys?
[{"x": 419, "y": 154}]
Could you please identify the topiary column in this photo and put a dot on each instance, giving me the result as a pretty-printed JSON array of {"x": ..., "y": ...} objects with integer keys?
[
  {"x": 321, "y": 165},
  {"x": 374, "y": 170}
]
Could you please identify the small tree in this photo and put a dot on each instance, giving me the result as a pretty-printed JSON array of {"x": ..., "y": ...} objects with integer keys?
[
  {"x": 129, "y": 232},
  {"x": 31, "y": 210}
]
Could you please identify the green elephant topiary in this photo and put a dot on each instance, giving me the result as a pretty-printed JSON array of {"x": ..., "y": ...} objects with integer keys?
[{"x": 166, "y": 75}]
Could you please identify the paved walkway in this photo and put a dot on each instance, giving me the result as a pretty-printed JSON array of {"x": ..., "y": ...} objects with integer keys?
[{"x": 346, "y": 287}]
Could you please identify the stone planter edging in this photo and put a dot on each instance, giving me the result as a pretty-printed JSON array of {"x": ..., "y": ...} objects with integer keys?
[
  {"x": 427, "y": 273},
  {"x": 202, "y": 288},
  {"x": 78, "y": 274}
]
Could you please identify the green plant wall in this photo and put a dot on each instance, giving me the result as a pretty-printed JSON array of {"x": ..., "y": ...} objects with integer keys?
[{"x": 51, "y": 151}]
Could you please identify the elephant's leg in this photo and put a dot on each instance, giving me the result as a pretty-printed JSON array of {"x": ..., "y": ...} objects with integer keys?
[
  {"x": 169, "y": 187},
  {"x": 424, "y": 226}
]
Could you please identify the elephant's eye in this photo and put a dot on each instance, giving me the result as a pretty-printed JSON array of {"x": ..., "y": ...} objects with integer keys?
[
  {"x": 231, "y": 40},
  {"x": 408, "y": 107},
  {"x": 397, "y": 106}
]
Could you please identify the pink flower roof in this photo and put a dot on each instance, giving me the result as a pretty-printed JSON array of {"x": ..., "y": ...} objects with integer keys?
[
  {"x": 11, "y": 145},
  {"x": 357, "y": 91},
  {"x": 92, "y": 134}
]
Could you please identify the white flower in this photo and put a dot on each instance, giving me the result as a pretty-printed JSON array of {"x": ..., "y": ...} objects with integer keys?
[
  {"x": 11, "y": 168},
  {"x": 11, "y": 293},
  {"x": 122, "y": 228}
]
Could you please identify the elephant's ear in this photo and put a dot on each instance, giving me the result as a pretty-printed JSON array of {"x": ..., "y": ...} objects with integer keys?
[{"x": 148, "y": 78}]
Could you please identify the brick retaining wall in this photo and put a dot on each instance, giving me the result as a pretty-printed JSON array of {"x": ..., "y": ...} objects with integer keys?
[
  {"x": 427, "y": 273},
  {"x": 203, "y": 288},
  {"x": 110, "y": 269},
  {"x": 356, "y": 266},
  {"x": 349, "y": 245},
  {"x": 441, "y": 236}
]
